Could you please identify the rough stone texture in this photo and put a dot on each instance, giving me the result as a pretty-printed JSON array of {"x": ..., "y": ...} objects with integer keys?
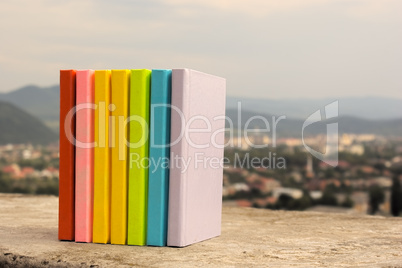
[{"x": 250, "y": 237}]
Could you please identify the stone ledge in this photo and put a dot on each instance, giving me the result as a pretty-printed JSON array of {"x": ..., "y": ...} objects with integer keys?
[{"x": 250, "y": 237}]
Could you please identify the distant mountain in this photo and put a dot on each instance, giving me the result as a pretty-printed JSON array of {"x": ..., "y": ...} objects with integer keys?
[
  {"x": 362, "y": 107},
  {"x": 375, "y": 115},
  {"x": 291, "y": 127},
  {"x": 40, "y": 102},
  {"x": 17, "y": 126}
]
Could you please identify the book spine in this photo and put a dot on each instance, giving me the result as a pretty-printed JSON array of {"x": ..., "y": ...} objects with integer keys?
[
  {"x": 67, "y": 156},
  {"x": 101, "y": 222},
  {"x": 119, "y": 111},
  {"x": 178, "y": 152},
  {"x": 158, "y": 186},
  {"x": 138, "y": 167},
  {"x": 84, "y": 156}
]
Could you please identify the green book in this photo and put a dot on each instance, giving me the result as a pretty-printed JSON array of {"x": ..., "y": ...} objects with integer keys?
[{"x": 138, "y": 157}]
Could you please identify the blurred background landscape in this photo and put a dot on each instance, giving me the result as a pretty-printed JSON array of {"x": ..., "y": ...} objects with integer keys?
[{"x": 280, "y": 58}]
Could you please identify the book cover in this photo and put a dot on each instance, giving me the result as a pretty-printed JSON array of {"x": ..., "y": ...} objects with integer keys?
[
  {"x": 197, "y": 139},
  {"x": 67, "y": 156},
  {"x": 84, "y": 156},
  {"x": 158, "y": 185},
  {"x": 120, "y": 82},
  {"x": 138, "y": 168},
  {"x": 101, "y": 218}
]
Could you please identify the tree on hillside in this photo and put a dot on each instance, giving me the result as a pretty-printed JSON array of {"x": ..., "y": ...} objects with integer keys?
[
  {"x": 376, "y": 197},
  {"x": 285, "y": 201},
  {"x": 396, "y": 196},
  {"x": 328, "y": 198},
  {"x": 5, "y": 183}
]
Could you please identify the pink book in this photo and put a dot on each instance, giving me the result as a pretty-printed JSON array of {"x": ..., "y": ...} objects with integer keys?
[
  {"x": 197, "y": 138},
  {"x": 84, "y": 175}
]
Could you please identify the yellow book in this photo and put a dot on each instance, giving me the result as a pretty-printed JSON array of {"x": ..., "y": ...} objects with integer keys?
[
  {"x": 119, "y": 112},
  {"x": 101, "y": 210}
]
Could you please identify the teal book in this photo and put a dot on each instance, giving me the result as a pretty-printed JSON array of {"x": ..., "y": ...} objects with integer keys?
[{"x": 158, "y": 184}]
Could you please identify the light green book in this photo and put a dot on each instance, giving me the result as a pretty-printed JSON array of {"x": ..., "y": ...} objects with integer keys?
[{"x": 138, "y": 157}]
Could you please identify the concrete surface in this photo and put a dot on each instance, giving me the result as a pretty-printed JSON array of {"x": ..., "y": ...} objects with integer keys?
[{"x": 250, "y": 237}]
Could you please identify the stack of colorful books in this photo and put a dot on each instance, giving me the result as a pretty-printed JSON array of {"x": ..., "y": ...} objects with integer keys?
[{"x": 141, "y": 156}]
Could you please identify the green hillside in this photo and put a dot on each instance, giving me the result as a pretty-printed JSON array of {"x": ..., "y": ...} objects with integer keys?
[
  {"x": 41, "y": 102},
  {"x": 17, "y": 126}
]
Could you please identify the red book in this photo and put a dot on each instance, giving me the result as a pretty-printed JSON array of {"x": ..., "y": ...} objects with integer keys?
[{"x": 67, "y": 155}]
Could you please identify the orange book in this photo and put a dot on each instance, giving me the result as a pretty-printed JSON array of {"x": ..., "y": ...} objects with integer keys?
[{"x": 67, "y": 155}]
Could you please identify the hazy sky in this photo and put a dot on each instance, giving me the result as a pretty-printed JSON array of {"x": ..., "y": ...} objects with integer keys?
[{"x": 272, "y": 49}]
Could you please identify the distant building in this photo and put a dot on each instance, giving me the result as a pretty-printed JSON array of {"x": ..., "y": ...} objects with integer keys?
[
  {"x": 296, "y": 176},
  {"x": 357, "y": 149},
  {"x": 270, "y": 184},
  {"x": 49, "y": 173},
  {"x": 367, "y": 169},
  {"x": 315, "y": 195},
  {"x": 26, "y": 154},
  {"x": 309, "y": 167},
  {"x": 27, "y": 172},
  {"x": 243, "y": 203},
  {"x": 13, "y": 170},
  {"x": 384, "y": 182},
  {"x": 240, "y": 187},
  {"x": 341, "y": 164},
  {"x": 292, "y": 192}
]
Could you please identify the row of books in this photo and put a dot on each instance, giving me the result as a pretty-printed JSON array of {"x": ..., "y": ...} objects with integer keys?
[{"x": 135, "y": 156}]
